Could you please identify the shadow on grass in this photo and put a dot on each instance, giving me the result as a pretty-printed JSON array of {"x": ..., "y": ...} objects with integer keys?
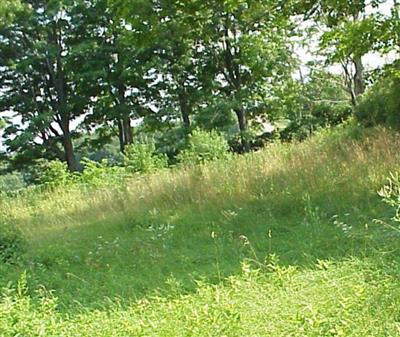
[
  {"x": 129, "y": 257},
  {"x": 303, "y": 212}
]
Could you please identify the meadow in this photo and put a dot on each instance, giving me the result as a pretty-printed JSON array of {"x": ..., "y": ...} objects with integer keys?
[{"x": 292, "y": 240}]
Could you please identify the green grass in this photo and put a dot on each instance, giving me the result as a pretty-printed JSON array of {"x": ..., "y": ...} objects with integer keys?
[
  {"x": 193, "y": 252},
  {"x": 348, "y": 299}
]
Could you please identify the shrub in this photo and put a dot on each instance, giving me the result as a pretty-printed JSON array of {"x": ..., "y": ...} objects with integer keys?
[
  {"x": 381, "y": 103},
  {"x": 101, "y": 174},
  {"x": 142, "y": 157},
  {"x": 55, "y": 173},
  {"x": 331, "y": 114},
  {"x": 204, "y": 146},
  {"x": 321, "y": 115},
  {"x": 11, "y": 182},
  {"x": 170, "y": 141},
  {"x": 11, "y": 243}
]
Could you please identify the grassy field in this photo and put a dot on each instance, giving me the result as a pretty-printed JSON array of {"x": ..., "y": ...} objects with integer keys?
[{"x": 282, "y": 242}]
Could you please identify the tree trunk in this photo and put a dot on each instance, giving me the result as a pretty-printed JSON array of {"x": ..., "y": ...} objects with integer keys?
[
  {"x": 349, "y": 79},
  {"x": 124, "y": 122},
  {"x": 353, "y": 95},
  {"x": 58, "y": 78},
  {"x": 242, "y": 122},
  {"x": 185, "y": 110},
  {"x": 125, "y": 135},
  {"x": 69, "y": 151},
  {"x": 121, "y": 135},
  {"x": 359, "y": 85},
  {"x": 127, "y": 127}
]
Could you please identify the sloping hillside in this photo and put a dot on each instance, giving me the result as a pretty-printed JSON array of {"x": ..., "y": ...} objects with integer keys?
[{"x": 282, "y": 242}]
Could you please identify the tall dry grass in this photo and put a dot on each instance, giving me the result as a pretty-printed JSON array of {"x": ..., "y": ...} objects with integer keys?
[{"x": 342, "y": 163}]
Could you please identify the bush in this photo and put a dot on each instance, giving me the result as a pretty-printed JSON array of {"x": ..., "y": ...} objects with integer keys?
[
  {"x": 317, "y": 102},
  {"x": 331, "y": 114},
  {"x": 94, "y": 174},
  {"x": 11, "y": 243},
  {"x": 381, "y": 103},
  {"x": 11, "y": 182},
  {"x": 321, "y": 115},
  {"x": 142, "y": 157},
  {"x": 101, "y": 174},
  {"x": 55, "y": 173},
  {"x": 204, "y": 146}
]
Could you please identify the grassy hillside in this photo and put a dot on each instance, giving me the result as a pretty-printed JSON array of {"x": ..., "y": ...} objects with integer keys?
[{"x": 281, "y": 242}]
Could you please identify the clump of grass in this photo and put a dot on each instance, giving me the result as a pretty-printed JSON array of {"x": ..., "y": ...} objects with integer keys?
[{"x": 11, "y": 243}]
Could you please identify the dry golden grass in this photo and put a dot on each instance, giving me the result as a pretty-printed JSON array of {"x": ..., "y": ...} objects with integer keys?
[{"x": 340, "y": 162}]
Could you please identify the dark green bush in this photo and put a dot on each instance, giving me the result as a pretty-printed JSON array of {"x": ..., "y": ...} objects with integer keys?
[
  {"x": 381, "y": 103},
  {"x": 55, "y": 173},
  {"x": 143, "y": 157},
  {"x": 320, "y": 115},
  {"x": 204, "y": 146}
]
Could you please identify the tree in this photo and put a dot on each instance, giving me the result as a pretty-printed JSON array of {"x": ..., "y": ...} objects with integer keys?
[
  {"x": 248, "y": 42},
  {"x": 347, "y": 37},
  {"x": 171, "y": 32},
  {"x": 214, "y": 56},
  {"x": 351, "y": 29},
  {"x": 319, "y": 100},
  {"x": 8, "y": 9},
  {"x": 120, "y": 73},
  {"x": 44, "y": 55}
]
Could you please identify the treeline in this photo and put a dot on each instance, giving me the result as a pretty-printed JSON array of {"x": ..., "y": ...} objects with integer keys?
[{"x": 89, "y": 78}]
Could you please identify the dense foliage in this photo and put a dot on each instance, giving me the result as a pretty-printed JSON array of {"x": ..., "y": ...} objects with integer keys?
[
  {"x": 203, "y": 147},
  {"x": 381, "y": 103},
  {"x": 79, "y": 76}
]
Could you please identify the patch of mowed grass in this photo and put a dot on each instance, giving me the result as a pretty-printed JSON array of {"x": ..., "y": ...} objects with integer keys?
[{"x": 165, "y": 232}]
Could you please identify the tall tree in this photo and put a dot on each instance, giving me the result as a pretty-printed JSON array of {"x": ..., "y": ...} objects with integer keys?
[
  {"x": 250, "y": 48},
  {"x": 120, "y": 75},
  {"x": 44, "y": 56},
  {"x": 171, "y": 31},
  {"x": 211, "y": 54},
  {"x": 348, "y": 36}
]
